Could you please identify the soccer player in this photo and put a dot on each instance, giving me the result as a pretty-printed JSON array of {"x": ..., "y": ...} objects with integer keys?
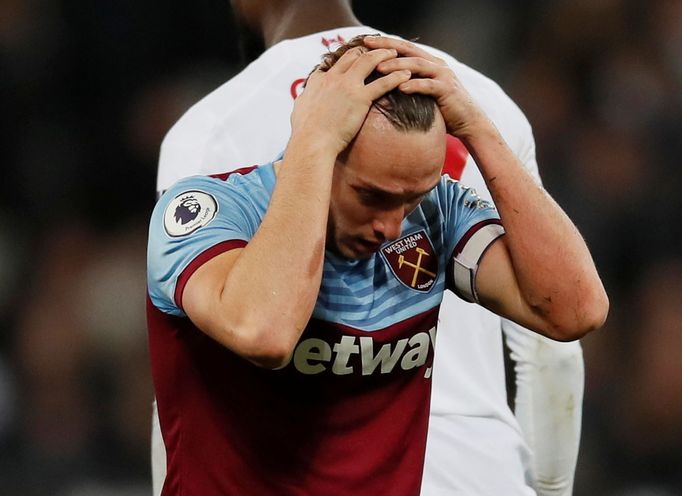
[
  {"x": 246, "y": 121},
  {"x": 293, "y": 306}
]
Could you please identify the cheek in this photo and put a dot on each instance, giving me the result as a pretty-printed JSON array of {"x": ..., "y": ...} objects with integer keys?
[{"x": 349, "y": 214}]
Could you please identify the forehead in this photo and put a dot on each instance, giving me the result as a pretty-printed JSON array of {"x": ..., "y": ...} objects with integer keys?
[{"x": 383, "y": 157}]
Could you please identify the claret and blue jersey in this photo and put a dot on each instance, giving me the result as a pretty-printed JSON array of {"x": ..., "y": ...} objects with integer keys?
[{"x": 349, "y": 412}]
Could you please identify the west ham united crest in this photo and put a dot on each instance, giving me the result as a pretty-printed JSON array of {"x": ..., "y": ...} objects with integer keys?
[
  {"x": 413, "y": 261},
  {"x": 188, "y": 212}
]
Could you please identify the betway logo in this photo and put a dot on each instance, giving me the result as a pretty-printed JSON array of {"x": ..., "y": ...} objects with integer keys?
[{"x": 314, "y": 356}]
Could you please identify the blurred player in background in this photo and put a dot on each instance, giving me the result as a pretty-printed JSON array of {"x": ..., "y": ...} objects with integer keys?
[{"x": 476, "y": 445}]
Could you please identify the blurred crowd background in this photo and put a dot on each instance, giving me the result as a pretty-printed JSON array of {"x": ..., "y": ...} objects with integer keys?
[{"x": 88, "y": 89}]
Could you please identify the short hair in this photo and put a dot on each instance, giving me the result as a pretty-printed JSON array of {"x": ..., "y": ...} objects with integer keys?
[{"x": 415, "y": 112}]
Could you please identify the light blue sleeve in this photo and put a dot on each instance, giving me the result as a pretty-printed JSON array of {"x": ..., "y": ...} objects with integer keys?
[
  {"x": 472, "y": 224},
  {"x": 464, "y": 210},
  {"x": 196, "y": 219}
]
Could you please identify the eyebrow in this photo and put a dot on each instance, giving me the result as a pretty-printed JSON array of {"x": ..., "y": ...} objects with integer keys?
[{"x": 382, "y": 192}]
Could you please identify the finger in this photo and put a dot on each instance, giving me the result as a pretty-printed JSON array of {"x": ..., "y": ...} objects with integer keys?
[
  {"x": 426, "y": 86},
  {"x": 347, "y": 59},
  {"x": 383, "y": 85},
  {"x": 312, "y": 78},
  {"x": 368, "y": 61},
  {"x": 403, "y": 47},
  {"x": 316, "y": 74},
  {"x": 416, "y": 65}
]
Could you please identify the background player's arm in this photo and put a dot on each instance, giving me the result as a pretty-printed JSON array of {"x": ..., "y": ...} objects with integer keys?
[
  {"x": 548, "y": 405},
  {"x": 540, "y": 274},
  {"x": 257, "y": 300}
]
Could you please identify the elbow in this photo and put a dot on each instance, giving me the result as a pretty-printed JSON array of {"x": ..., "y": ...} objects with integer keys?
[
  {"x": 586, "y": 316},
  {"x": 270, "y": 357},
  {"x": 266, "y": 346},
  {"x": 265, "y": 338},
  {"x": 594, "y": 311}
]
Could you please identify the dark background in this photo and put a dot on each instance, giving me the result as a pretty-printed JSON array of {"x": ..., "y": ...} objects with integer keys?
[{"x": 89, "y": 87}]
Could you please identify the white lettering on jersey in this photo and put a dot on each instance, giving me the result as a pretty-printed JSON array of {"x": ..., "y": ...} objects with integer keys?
[
  {"x": 312, "y": 350},
  {"x": 385, "y": 357},
  {"x": 313, "y": 355},
  {"x": 417, "y": 356},
  {"x": 405, "y": 244},
  {"x": 344, "y": 350}
]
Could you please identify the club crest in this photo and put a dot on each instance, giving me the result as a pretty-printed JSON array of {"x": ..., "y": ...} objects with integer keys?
[
  {"x": 413, "y": 261},
  {"x": 188, "y": 212}
]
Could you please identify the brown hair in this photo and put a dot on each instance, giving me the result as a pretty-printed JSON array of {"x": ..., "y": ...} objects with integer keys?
[{"x": 414, "y": 112}]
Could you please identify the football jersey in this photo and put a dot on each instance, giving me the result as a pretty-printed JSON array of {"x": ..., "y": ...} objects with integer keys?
[
  {"x": 349, "y": 413},
  {"x": 246, "y": 121}
]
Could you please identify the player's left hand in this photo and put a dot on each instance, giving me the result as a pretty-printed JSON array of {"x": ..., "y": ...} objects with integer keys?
[{"x": 432, "y": 76}]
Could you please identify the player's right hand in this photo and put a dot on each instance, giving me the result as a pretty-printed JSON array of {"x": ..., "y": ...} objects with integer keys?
[{"x": 334, "y": 104}]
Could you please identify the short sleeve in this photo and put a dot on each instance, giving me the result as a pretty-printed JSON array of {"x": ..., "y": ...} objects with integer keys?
[
  {"x": 472, "y": 224},
  {"x": 195, "y": 220}
]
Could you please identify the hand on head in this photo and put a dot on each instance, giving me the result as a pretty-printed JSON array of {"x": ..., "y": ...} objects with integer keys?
[
  {"x": 430, "y": 76},
  {"x": 336, "y": 100},
  {"x": 335, "y": 103}
]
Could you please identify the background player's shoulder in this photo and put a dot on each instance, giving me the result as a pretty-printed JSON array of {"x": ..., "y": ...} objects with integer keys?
[
  {"x": 254, "y": 176},
  {"x": 224, "y": 101},
  {"x": 190, "y": 182}
]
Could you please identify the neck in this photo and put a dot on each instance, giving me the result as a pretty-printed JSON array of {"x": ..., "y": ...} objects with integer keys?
[{"x": 303, "y": 17}]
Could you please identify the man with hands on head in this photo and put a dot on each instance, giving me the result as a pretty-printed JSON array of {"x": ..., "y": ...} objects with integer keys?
[
  {"x": 292, "y": 307},
  {"x": 246, "y": 120}
]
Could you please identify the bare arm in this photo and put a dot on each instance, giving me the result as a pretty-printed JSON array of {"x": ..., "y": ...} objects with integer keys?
[
  {"x": 254, "y": 300},
  {"x": 540, "y": 274}
]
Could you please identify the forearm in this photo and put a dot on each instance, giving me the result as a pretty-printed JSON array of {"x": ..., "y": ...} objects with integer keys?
[
  {"x": 261, "y": 297},
  {"x": 270, "y": 292},
  {"x": 548, "y": 405},
  {"x": 552, "y": 265}
]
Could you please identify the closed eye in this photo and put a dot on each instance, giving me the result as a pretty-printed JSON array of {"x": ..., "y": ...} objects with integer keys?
[{"x": 375, "y": 198}]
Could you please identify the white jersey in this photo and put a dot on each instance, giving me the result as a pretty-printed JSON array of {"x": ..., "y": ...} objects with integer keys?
[{"x": 475, "y": 445}]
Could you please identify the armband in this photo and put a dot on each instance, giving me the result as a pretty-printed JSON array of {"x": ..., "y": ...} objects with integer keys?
[{"x": 466, "y": 257}]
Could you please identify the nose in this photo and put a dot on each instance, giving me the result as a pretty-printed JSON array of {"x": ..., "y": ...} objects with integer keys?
[{"x": 388, "y": 224}]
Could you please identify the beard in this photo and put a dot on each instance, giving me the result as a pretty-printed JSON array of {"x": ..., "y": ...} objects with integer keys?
[{"x": 343, "y": 245}]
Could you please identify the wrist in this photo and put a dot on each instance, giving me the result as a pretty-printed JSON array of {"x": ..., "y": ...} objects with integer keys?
[
  {"x": 477, "y": 132},
  {"x": 310, "y": 147}
]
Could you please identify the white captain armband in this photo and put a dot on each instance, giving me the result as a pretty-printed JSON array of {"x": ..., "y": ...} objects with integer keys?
[{"x": 467, "y": 254}]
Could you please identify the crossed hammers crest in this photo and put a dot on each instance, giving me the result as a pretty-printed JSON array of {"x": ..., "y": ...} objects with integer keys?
[{"x": 416, "y": 266}]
